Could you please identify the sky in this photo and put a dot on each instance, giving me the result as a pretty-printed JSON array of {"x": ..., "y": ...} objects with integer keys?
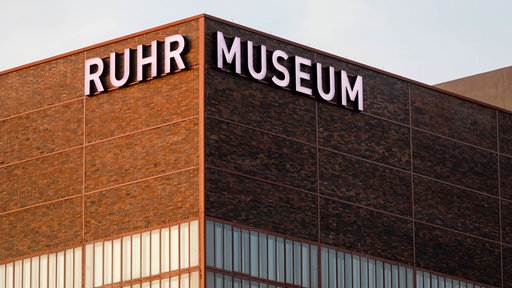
[{"x": 428, "y": 41}]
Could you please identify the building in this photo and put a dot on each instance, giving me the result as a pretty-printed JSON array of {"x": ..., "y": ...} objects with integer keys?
[
  {"x": 206, "y": 154},
  {"x": 493, "y": 87}
]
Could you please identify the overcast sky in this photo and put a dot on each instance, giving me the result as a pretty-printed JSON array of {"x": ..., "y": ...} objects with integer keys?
[{"x": 430, "y": 41}]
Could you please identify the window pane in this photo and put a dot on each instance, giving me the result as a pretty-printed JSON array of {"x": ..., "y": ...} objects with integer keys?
[
  {"x": 184, "y": 246},
  {"x": 155, "y": 252},
  {"x": 219, "y": 246},
  {"x": 165, "y": 253},
  {"x": 26, "y": 273},
  {"x": 348, "y": 269},
  {"x": 314, "y": 266},
  {"x": 175, "y": 251},
  {"x": 341, "y": 269},
  {"x": 245, "y": 252},
  {"x": 403, "y": 277},
  {"x": 325, "y": 266},
  {"x": 2, "y": 276},
  {"x": 364, "y": 272},
  {"x": 78, "y": 268},
  {"x": 372, "y": 273},
  {"x": 289, "y": 261},
  {"x": 380, "y": 274},
  {"x": 387, "y": 275},
  {"x": 280, "y": 259},
  {"x": 194, "y": 243},
  {"x": 237, "y": 253},
  {"x": 9, "y": 279},
  {"x": 136, "y": 247},
  {"x": 394, "y": 276},
  {"x": 228, "y": 281},
  {"x": 332, "y": 268},
  {"x": 228, "y": 248},
  {"x": 410, "y": 278},
  {"x": 194, "y": 280},
  {"x": 210, "y": 248},
  {"x": 52, "y": 270},
  {"x": 34, "y": 277},
  {"x": 175, "y": 281},
  {"x": 263, "y": 256},
  {"x": 127, "y": 257},
  {"x": 18, "y": 274},
  {"x": 116, "y": 258},
  {"x": 254, "y": 253},
  {"x": 210, "y": 279},
  {"x": 184, "y": 281},
  {"x": 69, "y": 268},
  {"x": 107, "y": 262},
  {"x": 356, "y": 275},
  {"x": 305, "y": 265},
  {"x": 297, "y": 265},
  {"x": 271, "y": 247}
]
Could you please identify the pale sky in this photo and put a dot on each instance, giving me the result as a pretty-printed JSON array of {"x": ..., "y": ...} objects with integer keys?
[{"x": 430, "y": 41}]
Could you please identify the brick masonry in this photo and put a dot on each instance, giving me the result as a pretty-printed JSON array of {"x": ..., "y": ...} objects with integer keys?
[{"x": 420, "y": 177}]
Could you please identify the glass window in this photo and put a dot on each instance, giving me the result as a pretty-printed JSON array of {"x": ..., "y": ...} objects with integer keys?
[
  {"x": 387, "y": 275},
  {"x": 9, "y": 272},
  {"x": 107, "y": 262},
  {"x": 210, "y": 279},
  {"x": 305, "y": 265},
  {"x": 175, "y": 249},
  {"x": 184, "y": 280},
  {"x": 155, "y": 252},
  {"x": 254, "y": 253},
  {"x": 271, "y": 240},
  {"x": 194, "y": 243},
  {"x": 314, "y": 266},
  {"x": 246, "y": 252},
  {"x": 18, "y": 273},
  {"x": 228, "y": 248},
  {"x": 116, "y": 260},
  {"x": 356, "y": 268},
  {"x": 379, "y": 279},
  {"x": 410, "y": 278},
  {"x": 175, "y": 282},
  {"x": 371, "y": 273},
  {"x": 25, "y": 271},
  {"x": 297, "y": 265},
  {"x": 34, "y": 277},
  {"x": 280, "y": 258},
  {"x": 289, "y": 261},
  {"x": 348, "y": 270},
  {"x": 325, "y": 266},
  {"x": 237, "y": 252},
  {"x": 341, "y": 269},
  {"x": 210, "y": 250},
  {"x": 364, "y": 272},
  {"x": 426, "y": 279},
  {"x": 52, "y": 270},
  {"x": 184, "y": 245},
  {"x": 219, "y": 246},
  {"x": 263, "y": 255},
  {"x": 136, "y": 247},
  {"x": 228, "y": 282},
  {"x": 126, "y": 259}
]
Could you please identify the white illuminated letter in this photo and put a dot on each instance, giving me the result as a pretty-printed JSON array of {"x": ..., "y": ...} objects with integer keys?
[
  {"x": 319, "y": 83},
  {"x": 299, "y": 75},
  {"x": 286, "y": 80},
  {"x": 353, "y": 92},
  {"x": 250, "y": 64},
  {"x": 174, "y": 54},
  {"x": 234, "y": 53},
  {"x": 142, "y": 61},
  {"x": 93, "y": 76},
  {"x": 113, "y": 68}
]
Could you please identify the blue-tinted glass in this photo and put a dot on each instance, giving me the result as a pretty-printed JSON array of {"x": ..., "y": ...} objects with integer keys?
[
  {"x": 325, "y": 266},
  {"x": 402, "y": 277},
  {"x": 410, "y": 278},
  {"x": 394, "y": 276},
  {"x": 341, "y": 269},
  {"x": 228, "y": 248},
  {"x": 434, "y": 281},
  {"x": 210, "y": 248},
  {"x": 228, "y": 281},
  {"x": 387, "y": 275},
  {"x": 237, "y": 283},
  {"x": 372, "y": 273},
  {"x": 263, "y": 256},
  {"x": 348, "y": 270},
  {"x": 379, "y": 279},
  {"x": 297, "y": 266},
  {"x": 280, "y": 259},
  {"x": 332, "y": 268},
  {"x": 271, "y": 246},
  {"x": 219, "y": 280},
  {"x": 210, "y": 279},
  {"x": 237, "y": 253},
  {"x": 314, "y": 266},
  {"x": 356, "y": 268},
  {"x": 305, "y": 265},
  {"x": 364, "y": 272},
  {"x": 254, "y": 254},
  {"x": 245, "y": 252},
  {"x": 289, "y": 261},
  {"x": 219, "y": 245},
  {"x": 419, "y": 279}
]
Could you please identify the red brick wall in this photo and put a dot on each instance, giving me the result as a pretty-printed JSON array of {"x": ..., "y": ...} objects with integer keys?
[{"x": 127, "y": 161}]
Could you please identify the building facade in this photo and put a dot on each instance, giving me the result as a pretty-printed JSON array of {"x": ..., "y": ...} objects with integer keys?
[{"x": 206, "y": 154}]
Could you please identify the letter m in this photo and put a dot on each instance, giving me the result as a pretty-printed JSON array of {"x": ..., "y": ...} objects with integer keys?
[
  {"x": 229, "y": 55},
  {"x": 353, "y": 92}
]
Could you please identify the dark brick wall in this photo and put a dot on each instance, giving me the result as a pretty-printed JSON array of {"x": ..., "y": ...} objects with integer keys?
[
  {"x": 128, "y": 160},
  {"x": 420, "y": 177}
]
